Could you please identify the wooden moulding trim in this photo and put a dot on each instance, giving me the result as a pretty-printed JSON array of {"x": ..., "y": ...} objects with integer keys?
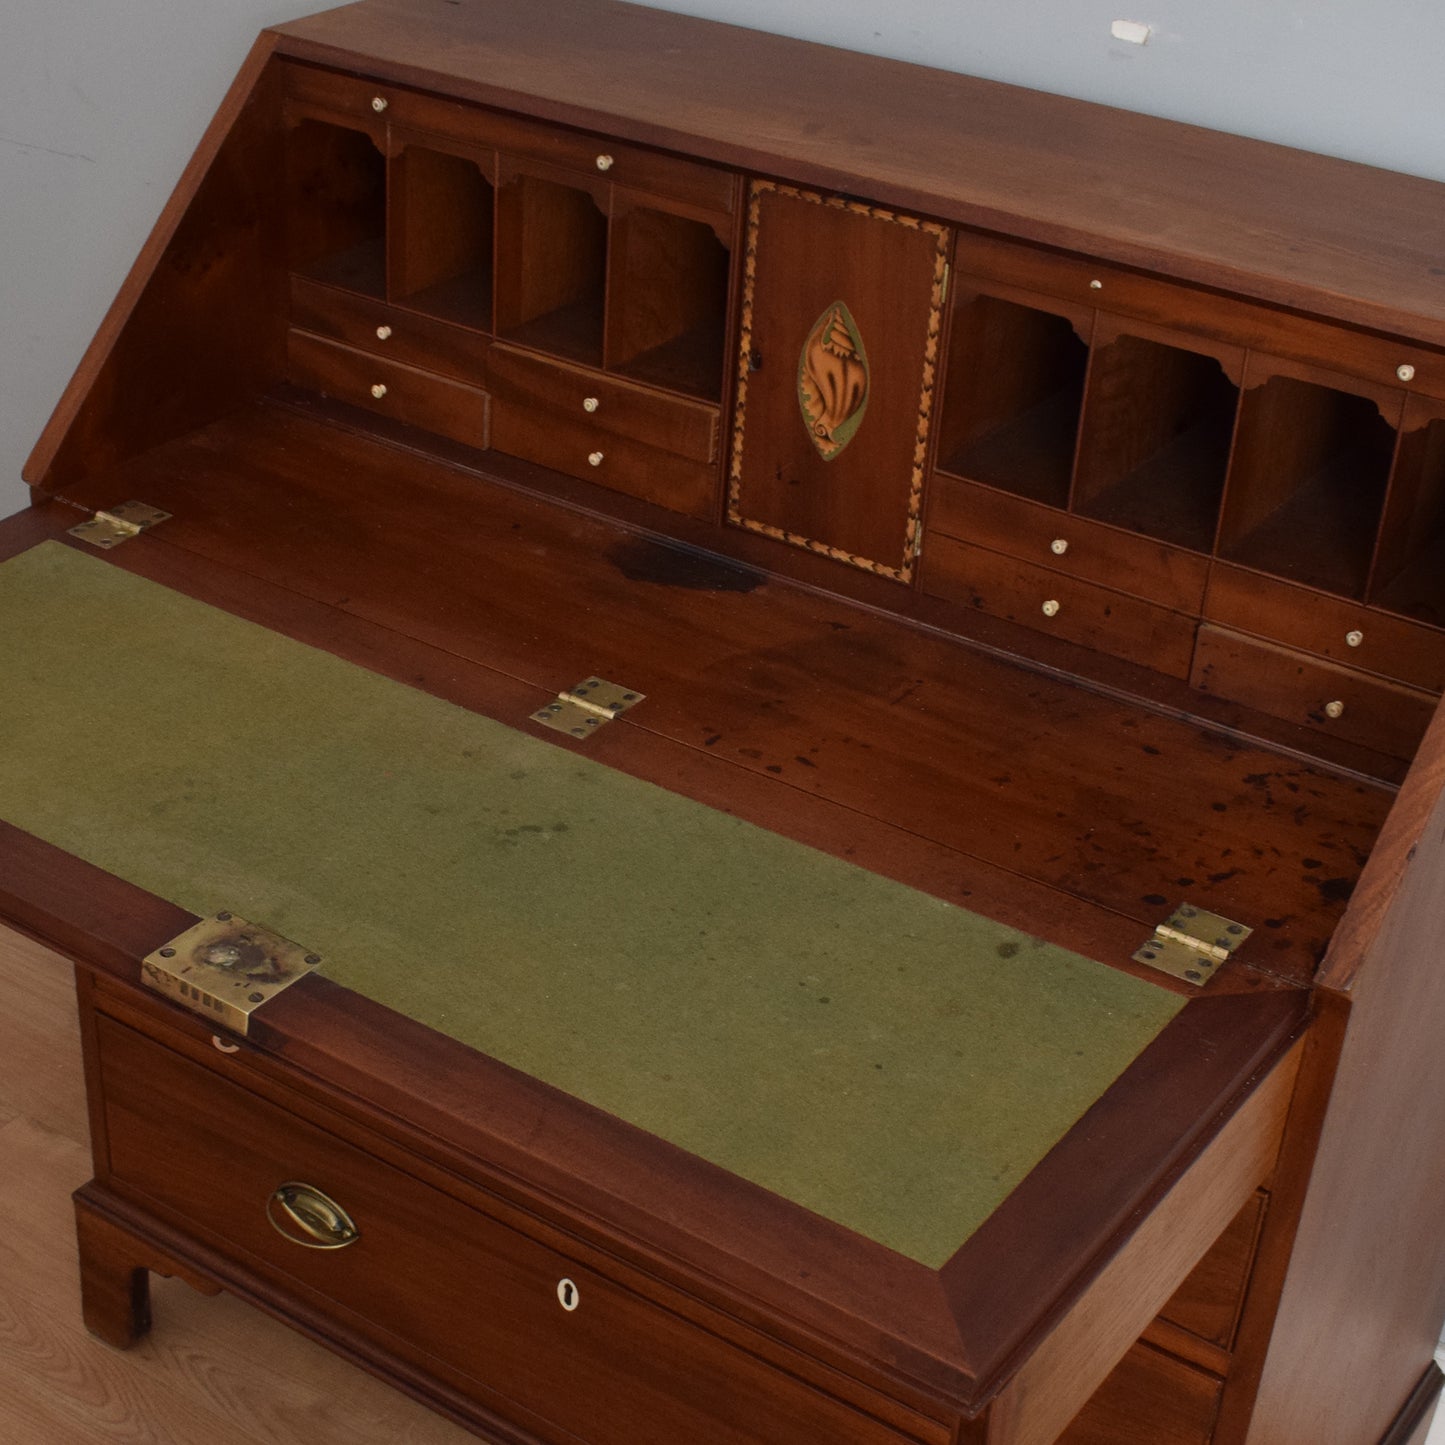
[
  {"x": 166, "y": 1251},
  {"x": 37, "y": 467},
  {"x": 903, "y": 572}
]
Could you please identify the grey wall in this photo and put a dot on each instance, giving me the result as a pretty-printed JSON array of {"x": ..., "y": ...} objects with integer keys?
[{"x": 101, "y": 103}]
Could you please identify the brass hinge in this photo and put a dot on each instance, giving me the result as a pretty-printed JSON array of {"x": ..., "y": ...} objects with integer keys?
[
  {"x": 120, "y": 524},
  {"x": 224, "y": 968},
  {"x": 1193, "y": 944},
  {"x": 586, "y": 707}
]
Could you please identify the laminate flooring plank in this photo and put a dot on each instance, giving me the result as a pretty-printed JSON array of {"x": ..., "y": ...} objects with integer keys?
[
  {"x": 39, "y": 1045},
  {"x": 213, "y": 1371}
]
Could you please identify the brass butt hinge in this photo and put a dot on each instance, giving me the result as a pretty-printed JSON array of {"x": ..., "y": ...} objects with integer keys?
[
  {"x": 120, "y": 524},
  {"x": 1192, "y": 944},
  {"x": 583, "y": 709},
  {"x": 224, "y": 969}
]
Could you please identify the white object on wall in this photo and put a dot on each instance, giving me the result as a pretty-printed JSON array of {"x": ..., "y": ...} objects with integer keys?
[{"x": 1134, "y": 31}]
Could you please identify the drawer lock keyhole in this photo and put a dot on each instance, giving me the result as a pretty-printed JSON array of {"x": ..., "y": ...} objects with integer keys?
[{"x": 567, "y": 1295}]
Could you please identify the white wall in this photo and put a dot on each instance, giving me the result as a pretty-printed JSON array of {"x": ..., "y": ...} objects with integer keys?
[{"x": 101, "y": 102}]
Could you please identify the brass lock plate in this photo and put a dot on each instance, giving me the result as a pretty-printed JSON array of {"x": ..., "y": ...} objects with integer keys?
[{"x": 225, "y": 968}]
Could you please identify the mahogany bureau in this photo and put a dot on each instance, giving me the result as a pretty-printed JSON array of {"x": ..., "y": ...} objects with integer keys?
[{"x": 844, "y": 688}]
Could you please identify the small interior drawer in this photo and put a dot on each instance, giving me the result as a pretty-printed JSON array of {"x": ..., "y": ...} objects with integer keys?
[
  {"x": 550, "y": 1342},
  {"x": 313, "y": 93},
  {"x": 569, "y": 441},
  {"x": 694, "y": 186},
  {"x": 1170, "y": 576},
  {"x": 1334, "y": 628},
  {"x": 1047, "y": 600},
  {"x": 401, "y": 393},
  {"x": 607, "y": 407},
  {"x": 1386, "y": 716},
  {"x": 390, "y": 332},
  {"x": 309, "y": 86}
]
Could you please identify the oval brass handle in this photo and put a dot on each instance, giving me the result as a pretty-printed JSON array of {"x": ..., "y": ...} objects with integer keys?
[{"x": 323, "y": 1222}]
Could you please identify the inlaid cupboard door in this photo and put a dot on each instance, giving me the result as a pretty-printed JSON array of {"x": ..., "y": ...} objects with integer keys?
[{"x": 839, "y": 348}]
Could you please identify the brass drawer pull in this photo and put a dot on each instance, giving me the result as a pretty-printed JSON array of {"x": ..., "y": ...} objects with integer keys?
[{"x": 323, "y": 1222}]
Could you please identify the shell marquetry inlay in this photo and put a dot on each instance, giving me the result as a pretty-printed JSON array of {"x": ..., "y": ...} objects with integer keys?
[{"x": 833, "y": 380}]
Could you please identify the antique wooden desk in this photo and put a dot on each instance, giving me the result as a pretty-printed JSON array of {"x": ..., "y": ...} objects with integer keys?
[{"x": 999, "y": 551}]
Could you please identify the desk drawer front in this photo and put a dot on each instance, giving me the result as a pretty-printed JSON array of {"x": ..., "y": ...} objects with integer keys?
[
  {"x": 605, "y": 407},
  {"x": 1051, "y": 602},
  {"x": 1297, "y": 687},
  {"x": 658, "y": 448},
  {"x": 1154, "y": 571},
  {"x": 411, "y": 339},
  {"x": 557, "y": 440},
  {"x": 1335, "y": 628},
  {"x": 401, "y": 393},
  {"x": 434, "y": 1280}
]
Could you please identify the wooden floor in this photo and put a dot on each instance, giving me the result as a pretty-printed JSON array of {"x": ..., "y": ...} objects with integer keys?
[{"x": 213, "y": 1371}]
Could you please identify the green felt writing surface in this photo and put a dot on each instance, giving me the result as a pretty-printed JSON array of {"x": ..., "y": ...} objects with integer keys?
[{"x": 890, "y": 1061}]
